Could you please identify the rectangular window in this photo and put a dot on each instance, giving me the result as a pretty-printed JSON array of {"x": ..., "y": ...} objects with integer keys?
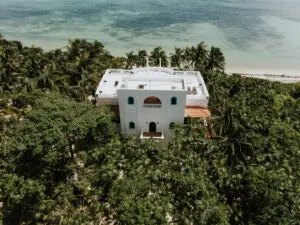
[
  {"x": 132, "y": 125},
  {"x": 130, "y": 100},
  {"x": 173, "y": 101}
]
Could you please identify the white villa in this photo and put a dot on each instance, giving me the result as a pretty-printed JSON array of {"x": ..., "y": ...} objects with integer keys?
[{"x": 150, "y": 100}]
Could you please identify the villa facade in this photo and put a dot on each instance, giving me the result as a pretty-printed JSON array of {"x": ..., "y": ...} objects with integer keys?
[{"x": 150, "y": 100}]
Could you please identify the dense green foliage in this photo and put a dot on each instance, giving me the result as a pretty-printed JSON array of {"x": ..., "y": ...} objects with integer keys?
[
  {"x": 75, "y": 71},
  {"x": 63, "y": 161}
]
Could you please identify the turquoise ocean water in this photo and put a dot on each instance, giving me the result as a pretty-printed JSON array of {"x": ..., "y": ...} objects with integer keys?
[{"x": 255, "y": 35}]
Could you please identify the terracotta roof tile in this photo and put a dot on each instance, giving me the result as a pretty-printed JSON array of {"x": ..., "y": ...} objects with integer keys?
[{"x": 196, "y": 112}]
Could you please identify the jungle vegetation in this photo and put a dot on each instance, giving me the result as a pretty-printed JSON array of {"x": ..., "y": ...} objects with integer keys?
[{"x": 63, "y": 161}]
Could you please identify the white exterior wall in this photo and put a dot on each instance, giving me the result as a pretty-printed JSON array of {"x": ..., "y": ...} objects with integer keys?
[
  {"x": 142, "y": 117},
  {"x": 117, "y": 85},
  {"x": 107, "y": 100},
  {"x": 194, "y": 100},
  {"x": 199, "y": 100}
]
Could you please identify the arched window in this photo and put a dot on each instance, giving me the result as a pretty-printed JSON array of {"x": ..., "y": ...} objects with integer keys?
[
  {"x": 130, "y": 100},
  {"x": 152, "y": 101},
  {"x": 172, "y": 125},
  {"x": 131, "y": 125},
  {"x": 173, "y": 101}
]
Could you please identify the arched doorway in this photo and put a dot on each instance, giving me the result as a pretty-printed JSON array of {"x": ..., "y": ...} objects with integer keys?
[{"x": 152, "y": 127}]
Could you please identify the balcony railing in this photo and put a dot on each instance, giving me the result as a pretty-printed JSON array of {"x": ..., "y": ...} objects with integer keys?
[
  {"x": 155, "y": 135},
  {"x": 113, "y": 95},
  {"x": 107, "y": 99},
  {"x": 152, "y": 106}
]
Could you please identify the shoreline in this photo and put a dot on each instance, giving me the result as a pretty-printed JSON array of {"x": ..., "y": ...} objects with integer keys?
[
  {"x": 284, "y": 78},
  {"x": 263, "y": 73},
  {"x": 266, "y": 71}
]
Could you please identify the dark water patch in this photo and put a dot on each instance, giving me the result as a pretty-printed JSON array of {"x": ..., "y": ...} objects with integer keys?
[
  {"x": 21, "y": 13},
  {"x": 240, "y": 21},
  {"x": 125, "y": 39},
  {"x": 114, "y": 34},
  {"x": 244, "y": 20}
]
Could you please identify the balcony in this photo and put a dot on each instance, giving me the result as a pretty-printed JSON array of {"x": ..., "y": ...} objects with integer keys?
[
  {"x": 152, "y": 106},
  {"x": 107, "y": 99},
  {"x": 153, "y": 135}
]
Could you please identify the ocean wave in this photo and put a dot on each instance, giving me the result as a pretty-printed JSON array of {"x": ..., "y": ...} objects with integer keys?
[{"x": 239, "y": 27}]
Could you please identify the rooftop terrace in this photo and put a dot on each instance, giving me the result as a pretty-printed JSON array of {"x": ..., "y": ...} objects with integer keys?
[{"x": 151, "y": 78}]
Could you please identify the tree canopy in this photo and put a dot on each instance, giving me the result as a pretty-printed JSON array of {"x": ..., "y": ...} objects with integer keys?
[{"x": 64, "y": 161}]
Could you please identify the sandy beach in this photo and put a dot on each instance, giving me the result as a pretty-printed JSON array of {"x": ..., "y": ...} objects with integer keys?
[
  {"x": 272, "y": 75},
  {"x": 256, "y": 37}
]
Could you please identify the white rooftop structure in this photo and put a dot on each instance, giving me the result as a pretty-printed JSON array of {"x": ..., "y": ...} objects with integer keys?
[{"x": 151, "y": 95}]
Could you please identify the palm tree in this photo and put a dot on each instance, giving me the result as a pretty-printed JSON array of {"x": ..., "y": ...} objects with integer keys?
[
  {"x": 46, "y": 80},
  {"x": 199, "y": 56},
  {"x": 157, "y": 54},
  {"x": 118, "y": 62},
  {"x": 177, "y": 58},
  {"x": 187, "y": 58},
  {"x": 32, "y": 66},
  {"x": 131, "y": 60},
  {"x": 77, "y": 59},
  {"x": 97, "y": 49},
  {"x": 142, "y": 55},
  {"x": 215, "y": 60},
  {"x": 75, "y": 48},
  {"x": 11, "y": 60},
  {"x": 88, "y": 82},
  {"x": 29, "y": 84},
  {"x": 231, "y": 137}
]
